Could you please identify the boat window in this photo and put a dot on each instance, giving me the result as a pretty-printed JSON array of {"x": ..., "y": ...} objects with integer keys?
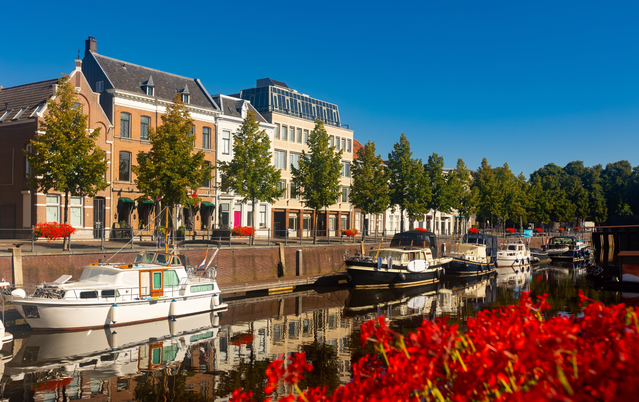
[
  {"x": 176, "y": 261},
  {"x": 157, "y": 280},
  {"x": 405, "y": 257},
  {"x": 201, "y": 288},
  {"x": 110, "y": 293},
  {"x": 162, "y": 259},
  {"x": 155, "y": 356},
  {"x": 171, "y": 278},
  {"x": 148, "y": 257},
  {"x": 89, "y": 295},
  {"x": 138, "y": 258},
  {"x": 512, "y": 247}
]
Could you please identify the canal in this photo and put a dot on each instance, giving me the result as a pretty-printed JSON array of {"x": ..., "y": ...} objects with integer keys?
[{"x": 205, "y": 357}]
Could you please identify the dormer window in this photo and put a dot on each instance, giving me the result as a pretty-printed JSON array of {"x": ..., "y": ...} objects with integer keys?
[
  {"x": 186, "y": 98},
  {"x": 148, "y": 87},
  {"x": 185, "y": 94}
]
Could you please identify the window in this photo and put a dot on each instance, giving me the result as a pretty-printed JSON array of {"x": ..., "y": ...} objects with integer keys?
[
  {"x": 284, "y": 133},
  {"x": 53, "y": 208},
  {"x": 282, "y": 186},
  {"x": 306, "y": 222},
  {"x": 149, "y": 91},
  {"x": 206, "y": 137},
  {"x": 207, "y": 181},
  {"x": 125, "y": 166},
  {"x": 99, "y": 86},
  {"x": 279, "y": 159},
  {"x": 186, "y": 98},
  {"x": 294, "y": 160},
  {"x": 348, "y": 146},
  {"x": 337, "y": 143},
  {"x": 4, "y": 116},
  {"x": 344, "y": 194},
  {"x": 299, "y": 135},
  {"x": 292, "y": 221},
  {"x": 294, "y": 192},
  {"x": 125, "y": 125},
  {"x": 305, "y": 136},
  {"x": 262, "y": 216},
  {"x": 224, "y": 215},
  {"x": 343, "y": 143},
  {"x": 332, "y": 220},
  {"x": 75, "y": 211},
  {"x": 27, "y": 166},
  {"x": 226, "y": 142},
  {"x": 346, "y": 169},
  {"x": 249, "y": 215},
  {"x": 276, "y": 134},
  {"x": 291, "y": 134},
  {"x": 145, "y": 122}
]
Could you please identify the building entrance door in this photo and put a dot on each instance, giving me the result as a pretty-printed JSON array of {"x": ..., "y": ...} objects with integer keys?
[{"x": 237, "y": 219}]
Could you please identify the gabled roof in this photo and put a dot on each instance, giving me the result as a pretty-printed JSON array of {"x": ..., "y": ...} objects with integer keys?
[
  {"x": 128, "y": 77},
  {"x": 27, "y": 96},
  {"x": 231, "y": 106}
]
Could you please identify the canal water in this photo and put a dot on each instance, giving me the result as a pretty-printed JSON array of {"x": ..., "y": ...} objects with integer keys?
[{"x": 205, "y": 357}]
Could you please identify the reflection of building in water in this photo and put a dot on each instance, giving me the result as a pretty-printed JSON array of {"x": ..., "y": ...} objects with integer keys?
[{"x": 479, "y": 290}]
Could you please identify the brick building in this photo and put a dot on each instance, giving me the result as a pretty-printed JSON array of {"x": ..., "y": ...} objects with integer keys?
[
  {"x": 22, "y": 110},
  {"x": 134, "y": 98}
]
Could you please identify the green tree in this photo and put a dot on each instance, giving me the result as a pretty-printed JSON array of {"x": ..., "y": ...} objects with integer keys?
[
  {"x": 409, "y": 186},
  {"x": 66, "y": 157},
  {"x": 490, "y": 199},
  {"x": 512, "y": 190},
  {"x": 616, "y": 177},
  {"x": 441, "y": 198},
  {"x": 317, "y": 179},
  {"x": 577, "y": 195},
  {"x": 170, "y": 168},
  {"x": 251, "y": 174},
  {"x": 369, "y": 191},
  {"x": 464, "y": 196}
]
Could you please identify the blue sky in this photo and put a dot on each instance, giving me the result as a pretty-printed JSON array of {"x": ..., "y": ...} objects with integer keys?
[{"x": 520, "y": 83}]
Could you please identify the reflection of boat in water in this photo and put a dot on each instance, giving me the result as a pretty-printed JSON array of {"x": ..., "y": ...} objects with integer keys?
[
  {"x": 367, "y": 300},
  {"x": 110, "y": 352},
  {"x": 510, "y": 278}
]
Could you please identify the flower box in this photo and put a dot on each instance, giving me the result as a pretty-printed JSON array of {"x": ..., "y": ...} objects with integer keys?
[
  {"x": 510, "y": 230},
  {"x": 473, "y": 230},
  {"x": 53, "y": 230},
  {"x": 539, "y": 230},
  {"x": 243, "y": 231},
  {"x": 349, "y": 232},
  {"x": 577, "y": 228}
]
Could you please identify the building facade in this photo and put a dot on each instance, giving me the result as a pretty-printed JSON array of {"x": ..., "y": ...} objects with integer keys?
[
  {"x": 294, "y": 115},
  {"x": 22, "y": 111},
  {"x": 134, "y": 98}
]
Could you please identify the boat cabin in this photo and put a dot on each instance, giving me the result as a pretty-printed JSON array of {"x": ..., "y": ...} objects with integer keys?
[
  {"x": 400, "y": 256},
  {"x": 416, "y": 238},
  {"x": 490, "y": 241},
  {"x": 513, "y": 247}
]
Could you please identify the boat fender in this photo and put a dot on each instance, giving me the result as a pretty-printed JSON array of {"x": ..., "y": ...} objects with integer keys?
[
  {"x": 113, "y": 314},
  {"x": 172, "y": 309},
  {"x": 215, "y": 320},
  {"x": 215, "y": 301},
  {"x": 173, "y": 327},
  {"x": 439, "y": 273},
  {"x": 113, "y": 338},
  {"x": 402, "y": 277}
]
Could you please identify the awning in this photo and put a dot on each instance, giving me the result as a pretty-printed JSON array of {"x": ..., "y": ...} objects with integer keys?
[
  {"x": 124, "y": 200},
  {"x": 147, "y": 202},
  {"x": 208, "y": 204}
]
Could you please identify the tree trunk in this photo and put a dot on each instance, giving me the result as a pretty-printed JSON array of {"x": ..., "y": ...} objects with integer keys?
[
  {"x": 65, "y": 241},
  {"x": 252, "y": 239},
  {"x": 365, "y": 228},
  {"x": 315, "y": 227},
  {"x": 401, "y": 222}
]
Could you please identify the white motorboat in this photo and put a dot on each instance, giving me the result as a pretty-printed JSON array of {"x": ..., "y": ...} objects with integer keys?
[
  {"x": 156, "y": 286},
  {"x": 513, "y": 254}
]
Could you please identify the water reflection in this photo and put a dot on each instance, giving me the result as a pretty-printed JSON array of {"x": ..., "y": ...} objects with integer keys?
[{"x": 205, "y": 357}]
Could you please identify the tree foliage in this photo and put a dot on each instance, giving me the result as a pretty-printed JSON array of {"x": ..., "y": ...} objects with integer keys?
[
  {"x": 464, "y": 197},
  {"x": 66, "y": 157},
  {"x": 251, "y": 174},
  {"x": 441, "y": 198},
  {"x": 409, "y": 186},
  {"x": 317, "y": 178},
  {"x": 369, "y": 191},
  {"x": 171, "y": 167}
]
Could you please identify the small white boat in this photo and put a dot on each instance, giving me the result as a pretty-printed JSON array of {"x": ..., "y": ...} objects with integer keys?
[
  {"x": 513, "y": 254},
  {"x": 156, "y": 286},
  {"x": 469, "y": 259}
]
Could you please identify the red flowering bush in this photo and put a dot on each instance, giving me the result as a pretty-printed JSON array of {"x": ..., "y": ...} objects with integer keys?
[
  {"x": 243, "y": 231},
  {"x": 349, "y": 232},
  {"x": 242, "y": 339},
  {"x": 422, "y": 229},
  {"x": 577, "y": 228},
  {"x": 473, "y": 230},
  {"x": 512, "y": 353},
  {"x": 561, "y": 229},
  {"x": 510, "y": 230},
  {"x": 53, "y": 230},
  {"x": 52, "y": 385},
  {"x": 539, "y": 230}
]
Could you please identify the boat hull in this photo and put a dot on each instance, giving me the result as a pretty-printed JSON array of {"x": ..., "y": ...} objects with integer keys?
[
  {"x": 71, "y": 315},
  {"x": 460, "y": 266},
  {"x": 366, "y": 275}
]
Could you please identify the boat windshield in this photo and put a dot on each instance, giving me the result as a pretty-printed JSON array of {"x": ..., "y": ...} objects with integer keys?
[
  {"x": 144, "y": 258},
  {"x": 162, "y": 259}
]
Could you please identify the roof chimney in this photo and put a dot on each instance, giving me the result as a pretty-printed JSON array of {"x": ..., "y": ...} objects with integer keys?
[{"x": 91, "y": 45}]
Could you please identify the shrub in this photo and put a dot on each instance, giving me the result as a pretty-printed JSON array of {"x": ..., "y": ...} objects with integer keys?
[
  {"x": 243, "y": 231},
  {"x": 349, "y": 232},
  {"x": 539, "y": 230},
  {"x": 473, "y": 230},
  {"x": 510, "y": 230},
  {"x": 577, "y": 228}
]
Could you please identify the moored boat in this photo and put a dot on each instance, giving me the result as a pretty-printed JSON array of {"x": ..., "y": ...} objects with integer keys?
[
  {"x": 469, "y": 259},
  {"x": 567, "y": 248},
  {"x": 410, "y": 260},
  {"x": 513, "y": 254},
  {"x": 156, "y": 286}
]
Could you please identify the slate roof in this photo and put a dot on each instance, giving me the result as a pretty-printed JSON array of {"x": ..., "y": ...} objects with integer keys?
[
  {"x": 265, "y": 82},
  {"x": 231, "y": 106},
  {"x": 131, "y": 78},
  {"x": 28, "y": 96}
]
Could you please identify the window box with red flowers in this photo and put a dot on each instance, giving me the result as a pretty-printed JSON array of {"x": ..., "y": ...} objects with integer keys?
[
  {"x": 539, "y": 230},
  {"x": 473, "y": 230},
  {"x": 561, "y": 230},
  {"x": 349, "y": 232},
  {"x": 510, "y": 230},
  {"x": 53, "y": 230},
  {"x": 243, "y": 231},
  {"x": 577, "y": 228}
]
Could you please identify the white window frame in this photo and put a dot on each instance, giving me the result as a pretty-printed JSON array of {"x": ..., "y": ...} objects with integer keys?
[
  {"x": 76, "y": 208},
  {"x": 53, "y": 204},
  {"x": 226, "y": 142}
]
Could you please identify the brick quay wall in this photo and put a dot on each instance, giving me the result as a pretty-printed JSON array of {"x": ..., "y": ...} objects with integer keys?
[{"x": 235, "y": 264}]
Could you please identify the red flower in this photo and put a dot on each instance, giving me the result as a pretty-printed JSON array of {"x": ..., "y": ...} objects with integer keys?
[
  {"x": 539, "y": 230},
  {"x": 577, "y": 228},
  {"x": 561, "y": 229},
  {"x": 511, "y": 230},
  {"x": 421, "y": 229},
  {"x": 242, "y": 339},
  {"x": 53, "y": 230},
  {"x": 473, "y": 230},
  {"x": 349, "y": 232},
  {"x": 243, "y": 231}
]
